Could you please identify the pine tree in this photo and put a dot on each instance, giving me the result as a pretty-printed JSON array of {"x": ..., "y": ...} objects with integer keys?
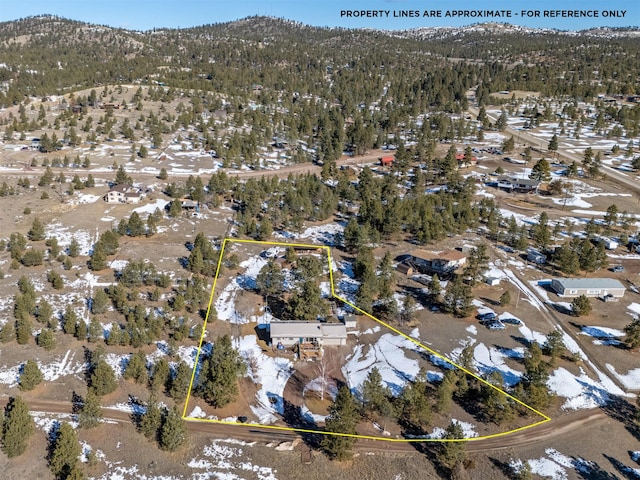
[
  {"x": 173, "y": 433},
  {"x": 98, "y": 260},
  {"x": 163, "y": 174},
  {"x": 31, "y": 376},
  {"x": 17, "y": 427},
  {"x": 553, "y": 144},
  {"x": 161, "y": 374},
  {"x": 46, "y": 339},
  {"x": 36, "y": 233},
  {"x": 541, "y": 171},
  {"x": 452, "y": 454},
  {"x": 375, "y": 395},
  {"x": 581, "y": 306},
  {"x": 151, "y": 420},
  {"x": 219, "y": 385},
  {"x": 175, "y": 209},
  {"x": 100, "y": 302},
  {"x": 74, "y": 248},
  {"x": 90, "y": 413},
  {"x": 103, "y": 379},
  {"x": 179, "y": 384},
  {"x": 343, "y": 418},
  {"x": 135, "y": 225},
  {"x": 136, "y": 369},
  {"x": 632, "y": 331},
  {"x": 64, "y": 453}
]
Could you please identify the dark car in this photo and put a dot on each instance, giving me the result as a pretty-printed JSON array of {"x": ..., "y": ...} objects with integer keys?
[
  {"x": 483, "y": 317},
  {"x": 242, "y": 419}
]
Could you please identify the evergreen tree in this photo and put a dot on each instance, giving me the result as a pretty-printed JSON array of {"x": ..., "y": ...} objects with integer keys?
[
  {"x": 122, "y": 177},
  {"x": 541, "y": 171},
  {"x": 64, "y": 453},
  {"x": 435, "y": 289},
  {"x": 90, "y": 413},
  {"x": 98, "y": 260},
  {"x": 458, "y": 297},
  {"x": 554, "y": 345},
  {"x": 36, "y": 233},
  {"x": 17, "y": 427},
  {"x": 505, "y": 298},
  {"x": 553, "y": 144},
  {"x": 99, "y": 302},
  {"x": 163, "y": 175},
  {"x": 632, "y": 331},
  {"x": 103, "y": 379},
  {"x": 581, "y": 306},
  {"x": 175, "y": 209},
  {"x": 151, "y": 420},
  {"x": 343, "y": 418},
  {"x": 135, "y": 225},
  {"x": 452, "y": 454},
  {"x": 375, "y": 395},
  {"x": 46, "y": 339},
  {"x": 416, "y": 410},
  {"x": 173, "y": 433},
  {"x": 445, "y": 392},
  {"x": 31, "y": 376},
  {"x": 497, "y": 408},
  {"x": 136, "y": 369},
  {"x": 270, "y": 279},
  {"x": 179, "y": 384},
  {"x": 74, "y": 248},
  {"x": 219, "y": 384},
  {"x": 161, "y": 373}
]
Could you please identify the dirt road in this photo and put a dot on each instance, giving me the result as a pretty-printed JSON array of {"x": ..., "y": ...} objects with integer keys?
[{"x": 557, "y": 426}]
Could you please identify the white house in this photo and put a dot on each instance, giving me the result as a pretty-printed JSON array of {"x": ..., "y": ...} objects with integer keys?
[
  {"x": 316, "y": 333},
  {"x": 123, "y": 194}
]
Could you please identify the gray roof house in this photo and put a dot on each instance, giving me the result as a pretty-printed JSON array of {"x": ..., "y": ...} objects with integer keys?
[
  {"x": 292, "y": 333},
  {"x": 590, "y": 287}
]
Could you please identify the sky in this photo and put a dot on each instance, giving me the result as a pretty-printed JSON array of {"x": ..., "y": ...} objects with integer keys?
[{"x": 149, "y": 14}]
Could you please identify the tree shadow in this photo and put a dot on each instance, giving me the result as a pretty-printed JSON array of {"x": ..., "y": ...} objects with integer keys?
[
  {"x": 621, "y": 410},
  {"x": 627, "y": 472}
]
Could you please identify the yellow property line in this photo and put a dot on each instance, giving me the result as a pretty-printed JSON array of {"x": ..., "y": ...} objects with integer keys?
[{"x": 545, "y": 418}]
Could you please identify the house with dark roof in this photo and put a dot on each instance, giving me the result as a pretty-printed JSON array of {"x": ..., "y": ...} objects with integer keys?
[{"x": 443, "y": 262}]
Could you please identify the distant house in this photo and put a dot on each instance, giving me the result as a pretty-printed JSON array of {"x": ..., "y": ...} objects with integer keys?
[
  {"x": 190, "y": 205},
  {"x": 122, "y": 193},
  {"x": 465, "y": 163},
  {"x": 523, "y": 185},
  {"x": 387, "y": 161},
  {"x": 608, "y": 243},
  {"x": 590, "y": 287},
  {"x": 289, "y": 334},
  {"x": 535, "y": 256},
  {"x": 445, "y": 262}
]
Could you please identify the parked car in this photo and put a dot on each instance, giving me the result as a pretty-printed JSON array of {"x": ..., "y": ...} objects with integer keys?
[
  {"x": 495, "y": 325},
  {"x": 617, "y": 268},
  {"x": 242, "y": 419},
  {"x": 511, "y": 321},
  {"x": 483, "y": 317}
]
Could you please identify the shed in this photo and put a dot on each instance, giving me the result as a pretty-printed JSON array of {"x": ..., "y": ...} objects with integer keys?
[
  {"x": 492, "y": 281},
  {"x": 387, "y": 161},
  {"x": 590, "y": 287},
  {"x": 350, "y": 321},
  {"x": 405, "y": 268}
]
